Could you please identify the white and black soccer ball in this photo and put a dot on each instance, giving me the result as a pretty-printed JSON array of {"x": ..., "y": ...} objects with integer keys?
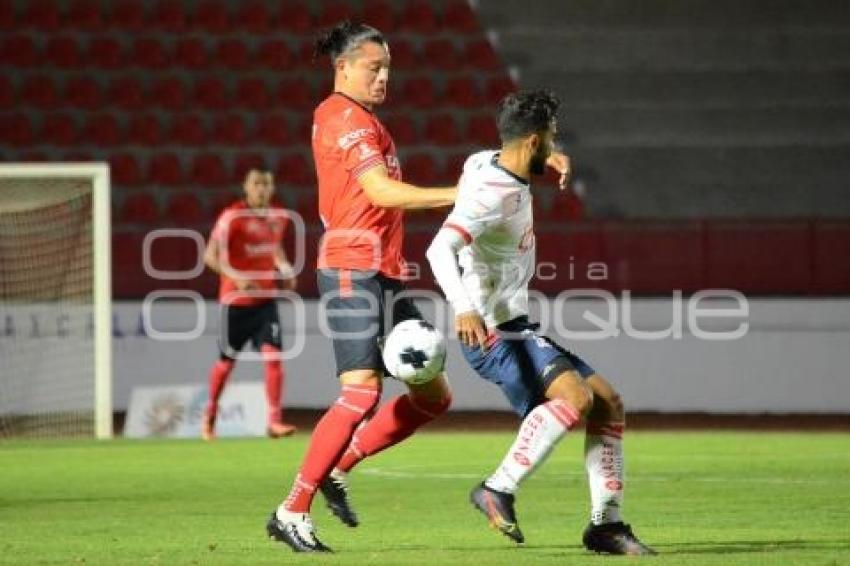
[{"x": 414, "y": 352}]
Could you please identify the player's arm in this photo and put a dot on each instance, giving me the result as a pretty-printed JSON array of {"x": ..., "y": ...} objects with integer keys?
[
  {"x": 212, "y": 259},
  {"x": 386, "y": 192},
  {"x": 560, "y": 162},
  {"x": 287, "y": 274}
]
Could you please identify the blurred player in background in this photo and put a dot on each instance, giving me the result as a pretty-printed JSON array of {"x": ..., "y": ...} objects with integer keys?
[
  {"x": 361, "y": 270},
  {"x": 483, "y": 259},
  {"x": 245, "y": 249}
]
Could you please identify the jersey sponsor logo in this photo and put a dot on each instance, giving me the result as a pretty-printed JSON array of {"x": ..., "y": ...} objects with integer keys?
[
  {"x": 392, "y": 162},
  {"x": 351, "y": 138}
]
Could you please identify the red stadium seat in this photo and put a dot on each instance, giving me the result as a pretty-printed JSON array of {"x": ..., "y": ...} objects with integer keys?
[
  {"x": 453, "y": 167},
  {"x": 185, "y": 209},
  {"x": 404, "y": 55},
  {"x": 139, "y": 208},
  {"x": 231, "y": 53},
  {"x": 168, "y": 15},
  {"x": 7, "y": 93},
  {"x": 295, "y": 17},
  {"x": 187, "y": 129},
  {"x": 419, "y": 16},
  {"x": 190, "y": 53},
  {"x": 169, "y": 93},
  {"x": 254, "y": 17},
  {"x": 62, "y": 52},
  {"x": 305, "y": 203},
  {"x": 442, "y": 129},
  {"x": 19, "y": 51},
  {"x": 229, "y": 129},
  {"x": 441, "y": 54},
  {"x": 480, "y": 54},
  {"x": 252, "y": 93},
  {"x": 127, "y": 15},
  {"x": 571, "y": 250},
  {"x": 379, "y": 14},
  {"x": 273, "y": 130},
  {"x": 125, "y": 170},
  {"x": 421, "y": 169},
  {"x": 481, "y": 130},
  {"x": 303, "y": 129},
  {"x": 831, "y": 242},
  {"x": 211, "y": 16},
  {"x": 208, "y": 170},
  {"x": 126, "y": 93},
  {"x": 84, "y": 14},
  {"x": 210, "y": 94},
  {"x": 498, "y": 87},
  {"x": 144, "y": 130},
  {"x": 274, "y": 54},
  {"x": 148, "y": 53},
  {"x": 295, "y": 93},
  {"x": 59, "y": 129},
  {"x": 403, "y": 129},
  {"x": 102, "y": 130},
  {"x": 41, "y": 14},
  {"x": 294, "y": 169},
  {"x": 335, "y": 11},
  {"x": 16, "y": 130},
  {"x": 243, "y": 163},
  {"x": 34, "y": 157},
  {"x": 463, "y": 92},
  {"x": 104, "y": 53},
  {"x": 165, "y": 169},
  {"x": 38, "y": 91},
  {"x": 82, "y": 92},
  {"x": 7, "y": 14},
  {"x": 419, "y": 92},
  {"x": 459, "y": 16}
]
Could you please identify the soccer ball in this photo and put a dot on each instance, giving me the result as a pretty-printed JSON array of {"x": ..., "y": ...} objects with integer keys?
[{"x": 414, "y": 352}]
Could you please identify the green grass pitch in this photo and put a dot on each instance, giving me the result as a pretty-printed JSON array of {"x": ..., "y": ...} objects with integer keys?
[{"x": 698, "y": 498}]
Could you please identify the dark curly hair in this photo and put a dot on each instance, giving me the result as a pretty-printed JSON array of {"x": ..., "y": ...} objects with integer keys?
[
  {"x": 526, "y": 112},
  {"x": 344, "y": 37}
]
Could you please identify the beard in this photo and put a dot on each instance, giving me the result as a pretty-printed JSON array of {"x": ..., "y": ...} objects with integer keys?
[{"x": 538, "y": 164}]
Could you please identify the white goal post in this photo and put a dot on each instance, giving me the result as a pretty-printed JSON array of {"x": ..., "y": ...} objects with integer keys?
[{"x": 55, "y": 257}]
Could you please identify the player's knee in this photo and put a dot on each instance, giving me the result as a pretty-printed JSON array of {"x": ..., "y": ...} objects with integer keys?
[
  {"x": 433, "y": 405},
  {"x": 618, "y": 409},
  {"x": 583, "y": 399}
]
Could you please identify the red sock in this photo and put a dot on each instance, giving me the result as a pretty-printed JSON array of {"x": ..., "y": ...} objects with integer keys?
[
  {"x": 395, "y": 420},
  {"x": 274, "y": 382},
  {"x": 330, "y": 437},
  {"x": 218, "y": 377}
]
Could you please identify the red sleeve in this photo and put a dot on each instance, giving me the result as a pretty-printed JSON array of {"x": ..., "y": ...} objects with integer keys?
[{"x": 358, "y": 139}]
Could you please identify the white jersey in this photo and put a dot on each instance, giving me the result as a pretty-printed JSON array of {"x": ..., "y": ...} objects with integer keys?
[{"x": 493, "y": 213}]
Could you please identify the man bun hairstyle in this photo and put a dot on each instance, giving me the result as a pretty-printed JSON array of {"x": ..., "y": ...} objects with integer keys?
[
  {"x": 344, "y": 37},
  {"x": 525, "y": 113}
]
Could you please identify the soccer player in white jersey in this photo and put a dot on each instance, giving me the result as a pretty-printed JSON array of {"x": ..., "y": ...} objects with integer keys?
[{"x": 483, "y": 258}]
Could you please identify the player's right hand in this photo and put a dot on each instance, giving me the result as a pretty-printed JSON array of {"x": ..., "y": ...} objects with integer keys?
[{"x": 471, "y": 330}]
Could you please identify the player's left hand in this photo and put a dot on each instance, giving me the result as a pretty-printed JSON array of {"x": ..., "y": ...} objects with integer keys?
[
  {"x": 289, "y": 284},
  {"x": 560, "y": 163}
]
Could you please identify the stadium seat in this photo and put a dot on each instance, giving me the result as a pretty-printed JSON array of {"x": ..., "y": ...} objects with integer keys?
[
  {"x": 7, "y": 93},
  {"x": 252, "y": 93},
  {"x": 185, "y": 209},
  {"x": 463, "y": 92},
  {"x": 168, "y": 92},
  {"x": 148, "y": 53},
  {"x": 125, "y": 170},
  {"x": 459, "y": 16},
  {"x": 42, "y": 15},
  {"x": 498, "y": 87},
  {"x": 303, "y": 130},
  {"x": 403, "y": 129},
  {"x": 418, "y": 16},
  {"x": 254, "y": 17},
  {"x": 77, "y": 156},
  {"x": 82, "y": 92},
  {"x": 211, "y": 16},
  {"x": 272, "y": 130},
  {"x": 229, "y": 129},
  {"x": 35, "y": 157},
  {"x": 19, "y": 51},
  {"x": 305, "y": 55},
  {"x": 165, "y": 169},
  {"x": 210, "y": 94},
  {"x": 243, "y": 163},
  {"x": 421, "y": 169},
  {"x": 336, "y": 11},
  {"x": 125, "y": 93},
  {"x": 128, "y": 15},
  {"x": 144, "y": 130},
  {"x": 16, "y": 129},
  {"x": 419, "y": 92},
  {"x": 295, "y": 17},
  {"x": 187, "y": 129},
  {"x": 482, "y": 131},
  {"x": 306, "y": 203},
  {"x": 405, "y": 55},
  {"x": 453, "y": 167},
  {"x": 231, "y": 53},
  {"x": 62, "y": 52},
  {"x": 440, "y": 53},
  {"x": 38, "y": 91},
  {"x": 139, "y": 208},
  {"x": 294, "y": 169},
  {"x": 571, "y": 250},
  {"x": 441, "y": 129},
  {"x": 275, "y": 55},
  {"x": 59, "y": 129},
  {"x": 102, "y": 130},
  {"x": 190, "y": 53},
  {"x": 104, "y": 53},
  {"x": 479, "y": 54},
  {"x": 379, "y": 14},
  {"x": 7, "y": 15},
  {"x": 168, "y": 15},
  {"x": 208, "y": 170},
  {"x": 84, "y": 15},
  {"x": 294, "y": 94},
  {"x": 831, "y": 242}
]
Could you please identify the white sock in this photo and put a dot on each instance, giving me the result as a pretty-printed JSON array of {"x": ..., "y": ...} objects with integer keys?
[
  {"x": 542, "y": 428},
  {"x": 603, "y": 458}
]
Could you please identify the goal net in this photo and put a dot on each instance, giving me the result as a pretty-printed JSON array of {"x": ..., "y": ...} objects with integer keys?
[{"x": 55, "y": 301}]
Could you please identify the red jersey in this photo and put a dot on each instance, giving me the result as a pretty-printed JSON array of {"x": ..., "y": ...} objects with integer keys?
[
  {"x": 247, "y": 242},
  {"x": 348, "y": 140}
]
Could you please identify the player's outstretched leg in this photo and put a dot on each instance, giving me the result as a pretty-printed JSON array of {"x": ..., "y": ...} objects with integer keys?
[
  {"x": 335, "y": 490},
  {"x": 498, "y": 507},
  {"x": 295, "y": 530}
]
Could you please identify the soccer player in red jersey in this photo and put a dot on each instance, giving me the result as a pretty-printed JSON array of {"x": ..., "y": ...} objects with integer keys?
[
  {"x": 361, "y": 202},
  {"x": 245, "y": 249}
]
